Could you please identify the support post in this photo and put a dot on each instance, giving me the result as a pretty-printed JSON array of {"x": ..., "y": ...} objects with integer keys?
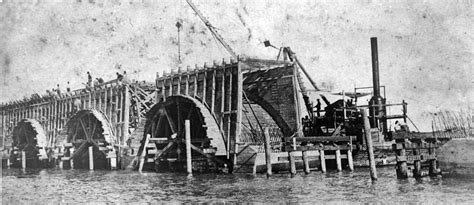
[
  {"x": 189, "y": 166},
  {"x": 126, "y": 115},
  {"x": 291, "y": 159},
  {"x": 338, "y": 160},
  {"x": 23, "y": 159},
  {"x": 113, "y": 163},
  {"x": 350, "y": 161},
  {"x": 306, "y": 162},
  {"x": 417, "y": 164},
  {"x": 402, "y": 169},
  {"x": 268, "y": 152},
  {"x": 143, "y": 154},
  {"x": 368, "y": 141},
  {"x": 322, "y": 159},
  {"x": 71, "y": 160},
  {"x": 433, "y": 170},
  {"x": 91, "y": 157}
]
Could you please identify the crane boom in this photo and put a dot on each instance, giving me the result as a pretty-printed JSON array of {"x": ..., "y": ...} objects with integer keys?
[{"x": 212, "y": 29}]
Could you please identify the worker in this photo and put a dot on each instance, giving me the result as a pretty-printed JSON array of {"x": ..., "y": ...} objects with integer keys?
[
  {"x": 100, "y": 80},
  {"x": 89, "y": 79},
  {"x": 125, "y": 78},
  {"x": 400, "y": 127},
  {"x": 58, "y": 90},
  {"x": 76, "y": 106},
  {"x": 68, "y": 88},
  {"x": 96, "y": 82},
  {"x": 318, "y": 108},
  {"x": 119, "y": 76}
]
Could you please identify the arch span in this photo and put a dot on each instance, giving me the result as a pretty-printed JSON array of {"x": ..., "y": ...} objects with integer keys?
[
  {"x": 166, "y": 120},
  {"x": 90, "y": 128},
  {"x": 28, "y": 136}
]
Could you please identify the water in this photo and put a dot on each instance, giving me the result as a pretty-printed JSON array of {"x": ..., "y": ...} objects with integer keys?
[{"x": 79, "y": 186}]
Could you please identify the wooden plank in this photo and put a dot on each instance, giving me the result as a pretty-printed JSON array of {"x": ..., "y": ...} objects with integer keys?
[
  {"x": 111, "y": 105},
  {"x": 126, "y": 109},
  {"x": 207, "y": 155},
  {"x": 106, "y": 103},
  {"x": 196, "y": 79},
  {"x": 213, "y": 90},
  {"x": 299, "y": 127},
  {"x": 204, "y": 84},
  {"x": 322, "y": 159},
  {"x": 239, "y": 104},
  {"x": 323, "y": 139}
]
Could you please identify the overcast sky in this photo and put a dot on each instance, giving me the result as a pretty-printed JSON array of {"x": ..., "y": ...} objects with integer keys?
[{"x": 425, "y": 48}]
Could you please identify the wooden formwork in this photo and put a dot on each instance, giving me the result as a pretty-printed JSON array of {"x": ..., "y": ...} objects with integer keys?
[
  {"x": 244, "y": 96},
  {"x": 120, "y": 103}
]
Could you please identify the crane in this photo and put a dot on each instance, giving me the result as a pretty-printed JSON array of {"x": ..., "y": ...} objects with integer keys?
[{"x": 212, "y": 29}]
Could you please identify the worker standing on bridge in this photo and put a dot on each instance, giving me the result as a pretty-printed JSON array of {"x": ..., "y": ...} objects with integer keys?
[
  {"x": 119, "y": 76},
  {"x": 68, "y": 88},
  {"x": 58, "y": 90},
  {"x": 89, "y": 79},
  {"x": 318, "y": 108},
  {"x": 125, "y": 77}
]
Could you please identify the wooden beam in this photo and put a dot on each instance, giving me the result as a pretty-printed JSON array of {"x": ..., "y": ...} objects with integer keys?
[
  {"x": 213, "y": 91},
  {"x": 207, "y": 155},
  {"x": 126, "y": 114},
  {"x": 239, "y": 107}
]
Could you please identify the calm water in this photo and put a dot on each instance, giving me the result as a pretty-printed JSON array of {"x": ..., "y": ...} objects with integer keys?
[{"x": 76, "y": 186}]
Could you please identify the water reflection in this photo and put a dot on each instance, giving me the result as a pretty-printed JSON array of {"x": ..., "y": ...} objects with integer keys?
[{"x": 79, "y": 186}]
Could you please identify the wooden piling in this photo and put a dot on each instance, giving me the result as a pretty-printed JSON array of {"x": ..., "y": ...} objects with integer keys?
[
  {"x": 71, "y": 161},
  {"x": 91, "y": 157},
  {"x": 306, "y": 162},
  {"x": 350, "y": 161},
  {"x": 143, "y": 154},
  {"x": 113, "y": 162},
  {"x": 402, "y": 169},
  {"x": 368, "y": 141},
  {"x": 416, "y": 164},
  {"x": 291, "y": 159},
  {"x": 23, "y": 159},
  {"x": 322, "y": 159},
  {"x": 338, "y": 160},
  {"x": 433, "y": 170},
  {"x": 189, "y": 166},
  {"x": 268, "y": 152},
  {"x": 126, "y": 115}
]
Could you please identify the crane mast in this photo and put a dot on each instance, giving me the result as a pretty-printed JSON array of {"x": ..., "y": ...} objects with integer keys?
[{"x": 212, "y": 29}]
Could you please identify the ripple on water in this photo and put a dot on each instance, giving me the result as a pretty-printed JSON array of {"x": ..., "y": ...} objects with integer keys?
[{"x": 79, "y": 186}]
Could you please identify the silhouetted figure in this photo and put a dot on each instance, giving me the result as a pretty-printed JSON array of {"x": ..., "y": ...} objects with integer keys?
[
  {"x": 318, "y": 108},
  {"x": 58, "y": 91},
  {"x": 89, "y": 79},
  {"x": 68, "y": 88},
  {"x": 125, "y": 77},
  {"x": 100, "y": 80},
  {"x": 119, "y": 76}
]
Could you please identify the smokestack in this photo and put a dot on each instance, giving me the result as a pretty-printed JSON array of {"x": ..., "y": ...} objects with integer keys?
[{"x": 375, "y": 66}]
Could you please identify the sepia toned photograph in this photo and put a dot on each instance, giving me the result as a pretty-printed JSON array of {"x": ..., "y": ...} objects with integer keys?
[{"x": 236, "y": 102}]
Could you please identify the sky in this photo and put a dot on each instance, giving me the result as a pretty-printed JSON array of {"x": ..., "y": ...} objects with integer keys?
[{"x": 425, "y": 47}]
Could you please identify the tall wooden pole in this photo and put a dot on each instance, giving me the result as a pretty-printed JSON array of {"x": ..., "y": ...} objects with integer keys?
[
  {"x": 23, "y": 159},
  {"x": 306, "y": 162},
  {"x": 338, "y": 160},
  {"x": 143, "y": 154},
  {"x": 189, "y": 166},
  {"x": 322, "y": 159},
  {"x": 368, "y": 141},
  {"x": 91, "y": 158},
  {"x": 126, "y": 114},
  {"x": 350, "y": 161}
]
